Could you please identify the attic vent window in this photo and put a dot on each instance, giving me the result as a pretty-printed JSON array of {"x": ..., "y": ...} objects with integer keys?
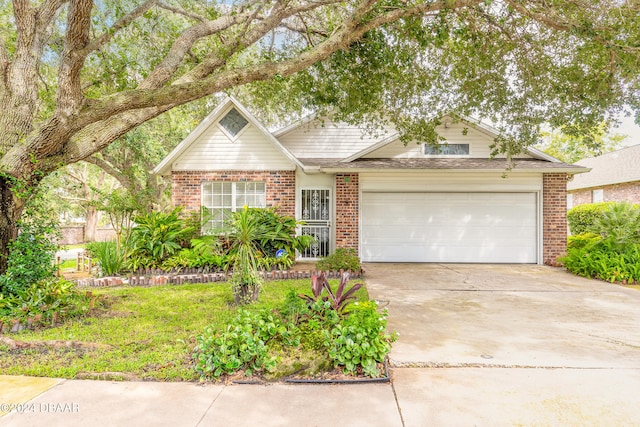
[
  {"x": 446, "y": 150},
  {"x": 233, "y": 122}
]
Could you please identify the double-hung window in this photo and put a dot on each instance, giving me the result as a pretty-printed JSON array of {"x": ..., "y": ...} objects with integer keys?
[{"x": 221, "y": 198}]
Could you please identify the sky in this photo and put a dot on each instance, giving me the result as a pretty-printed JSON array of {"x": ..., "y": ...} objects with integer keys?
[{"x": 628, "y": 127}]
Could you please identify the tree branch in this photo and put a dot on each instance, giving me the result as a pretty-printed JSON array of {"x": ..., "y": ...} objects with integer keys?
[
  {"x": 303, "y": 29},
  {"x": 121, "y": 23},
  {"x": 77, "y": 37},
  {"x": 48, "y": 11},
  {"x": 180, "y": 92},
  {"x": 163, "y": 72},
  {"x": 180, "y": 11},
  {"x": 109, "y": 169}
]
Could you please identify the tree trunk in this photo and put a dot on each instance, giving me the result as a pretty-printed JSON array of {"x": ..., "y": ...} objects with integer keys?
[
  {"x": 91, "y": 224},
  {"x": 10, "y": 211}
]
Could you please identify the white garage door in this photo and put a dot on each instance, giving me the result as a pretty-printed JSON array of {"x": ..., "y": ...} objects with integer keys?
[{"x": 449, "y": 227}]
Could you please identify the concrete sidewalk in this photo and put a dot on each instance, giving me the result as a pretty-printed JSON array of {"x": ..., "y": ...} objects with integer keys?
[
  {"x": 106, "y": 403},
  {"x": 417, "y": 397}
]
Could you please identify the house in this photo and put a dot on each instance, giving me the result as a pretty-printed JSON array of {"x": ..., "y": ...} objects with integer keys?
[
  {"x": 388, "y": 201},
  {"x": 614, "y": 176}
]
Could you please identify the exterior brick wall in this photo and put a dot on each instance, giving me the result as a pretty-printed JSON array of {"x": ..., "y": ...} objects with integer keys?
[
  {"x": 554, "y": 214},
  {"x": 280, "y": 187},
  {"x": 625, "y": 192},
  {"x": 347, "y": 207},
  {"x": 581, "y": 197}
]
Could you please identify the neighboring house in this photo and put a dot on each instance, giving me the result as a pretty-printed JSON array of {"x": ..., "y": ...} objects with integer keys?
[
  {"x": 388, "y": 201},
  {"x": 614, "y": 177}
]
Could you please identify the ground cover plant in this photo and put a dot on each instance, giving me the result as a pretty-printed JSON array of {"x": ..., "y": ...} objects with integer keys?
[
  {"x": 352, "y": 338},
  {"x": 609, "y": 247},
  {"x": 150, "y": 333}
]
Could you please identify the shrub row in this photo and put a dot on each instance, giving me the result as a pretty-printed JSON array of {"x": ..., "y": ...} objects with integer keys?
[{"x": 607, "y": 242}]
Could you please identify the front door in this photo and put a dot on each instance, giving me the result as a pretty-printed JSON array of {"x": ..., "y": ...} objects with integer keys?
[{"x": 316, "y": 214}]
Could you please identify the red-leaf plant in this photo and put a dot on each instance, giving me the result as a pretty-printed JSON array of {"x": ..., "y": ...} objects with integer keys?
[{"x": 338, "y": 299}]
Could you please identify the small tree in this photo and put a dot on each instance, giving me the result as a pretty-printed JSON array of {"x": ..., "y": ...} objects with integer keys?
[{"x": 245, "y": 234}]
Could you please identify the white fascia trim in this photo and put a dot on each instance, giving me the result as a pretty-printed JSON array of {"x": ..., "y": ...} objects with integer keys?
[
  {"x": 164, "y": 168},
  {"x": 491, "y": 131},
  {"x": 266, "y": 132},
  {"x": 293, "y": 126},
  {"x": 412, "y": 170},
  {"x": 386, "y": 141},
  {"x": 538, "y": 154}
]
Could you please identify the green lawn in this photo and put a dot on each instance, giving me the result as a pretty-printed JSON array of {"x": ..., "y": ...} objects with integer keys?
[
  {"x": 149, "y": 332},
  {"x": 69, "y": 264}
]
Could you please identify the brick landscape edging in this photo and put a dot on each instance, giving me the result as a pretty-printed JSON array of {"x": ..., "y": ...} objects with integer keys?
[{"x": 179, "y": 279}]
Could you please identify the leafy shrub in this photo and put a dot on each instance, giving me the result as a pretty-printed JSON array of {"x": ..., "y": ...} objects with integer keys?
[
  {"x": 30, "y": 255},
  {"x": 611, "y": 250},
  {"x": 360, "y": 340},
  {"x": 156, "y": 237},
  {"x": 205, "y": 252},
  {"x": 582, "y": 217},
  {"x": 605, "y": 260},
  {"x": 284, "y": 236},
  {"x": 45, "y": 303},
  {"x": 241, "y": 345},
  {"x": 110, "y": 258},
  {"x": 254, "y": 341},
  {"x": 582, "y": 240},
  {"x": 341, "y": 259},
  {"x": 337, "y": 300}
]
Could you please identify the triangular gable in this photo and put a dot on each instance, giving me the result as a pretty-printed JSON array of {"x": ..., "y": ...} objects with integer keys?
[
  {"x": 164, "y": 168},
  {"x": 320, "y": 137},
  {"x": 478, "y": 125}
]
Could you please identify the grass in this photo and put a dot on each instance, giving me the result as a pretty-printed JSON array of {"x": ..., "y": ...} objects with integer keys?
[
  {"x": 69, "y": 264},
  {"x": 75, "y": 246},
  {"x": 149, "y": 332}
]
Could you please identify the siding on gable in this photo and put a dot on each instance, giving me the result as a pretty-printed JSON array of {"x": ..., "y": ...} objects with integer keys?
[
  {"x": 479, "y": 144},
  {"x": 214, "y": 151},
  {"x": 328, "y": 140}
]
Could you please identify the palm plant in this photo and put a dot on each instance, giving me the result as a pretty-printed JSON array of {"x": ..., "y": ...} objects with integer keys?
[
  {"x": 619, "y": 224},
  {"x": 245, "y": 236}
]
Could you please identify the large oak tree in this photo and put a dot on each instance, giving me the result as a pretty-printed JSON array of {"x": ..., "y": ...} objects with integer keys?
[{"x": 76, "y": 75}]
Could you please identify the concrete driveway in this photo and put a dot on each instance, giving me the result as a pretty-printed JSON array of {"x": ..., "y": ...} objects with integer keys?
[{"x": 510, "y": 345}]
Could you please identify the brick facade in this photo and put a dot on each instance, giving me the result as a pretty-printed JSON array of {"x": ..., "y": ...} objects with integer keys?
[
  {"x": 625, "y": 192},
  {"x": 347, "y": 210},
  {"x": 280, "y": 187},
  {"x": 554, "y": 214}
]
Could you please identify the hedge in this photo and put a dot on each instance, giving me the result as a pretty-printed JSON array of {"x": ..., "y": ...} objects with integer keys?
[{"x": 582, "y": 217}]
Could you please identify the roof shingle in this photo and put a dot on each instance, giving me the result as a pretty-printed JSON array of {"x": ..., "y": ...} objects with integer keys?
[
  {"x": 440, "y": 163},
  {"x": 611, "y": 168}
]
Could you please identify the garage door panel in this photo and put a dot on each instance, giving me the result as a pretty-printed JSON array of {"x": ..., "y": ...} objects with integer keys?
[{"x": 449, "y": 227}]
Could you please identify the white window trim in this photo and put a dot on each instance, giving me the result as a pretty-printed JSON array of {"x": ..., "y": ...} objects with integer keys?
[
  {"x": 597, "y": 195},
  {"x": 234, "y": 193},
  {"x": 226, "y": 132},
  {"x": 446, "y": 156}
]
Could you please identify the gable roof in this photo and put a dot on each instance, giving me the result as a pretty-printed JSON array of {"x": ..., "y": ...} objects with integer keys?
[
  {"x": 164, "y": 167},
  {"x": 611, "y": 168},
  {"x": 481, "y": 126},
  {"x": 460, "y": 165},
  {"x": 356, "y": 161}
]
